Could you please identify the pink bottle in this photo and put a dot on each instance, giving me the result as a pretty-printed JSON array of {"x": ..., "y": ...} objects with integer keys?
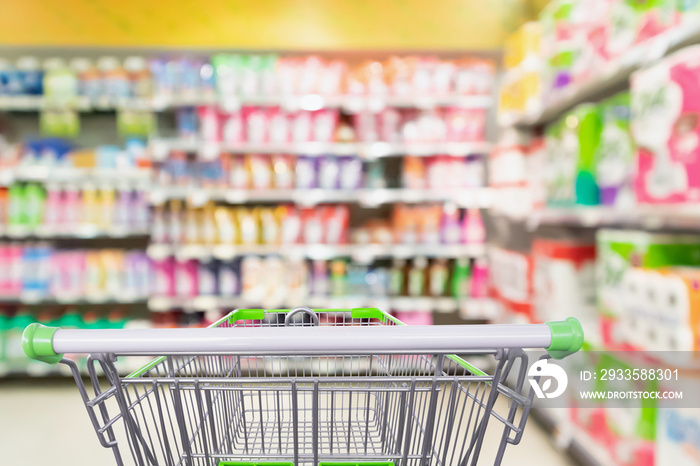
[
  {"x": 474, "y": 231},
  {"x": 164, "y": 271},
  {"x": 76, "y": 270},
  {"x": 415, "y": 317},
  {"x": 450, "y": 228},
  {"x": 53, "y": 220},
  {"x": 71, "y": 208},
  {"x": 14, "y": 256},
  {"x": 480, "y": 274},
  {"x": 4, "y": 271},
  {"x": 186, "y": 278},
  {"x": 58, "y": 281},
  {"x": 209, "y": 126}
]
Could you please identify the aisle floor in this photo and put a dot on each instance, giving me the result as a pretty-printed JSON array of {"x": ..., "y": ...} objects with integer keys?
[{"x": 44, "y": 422}]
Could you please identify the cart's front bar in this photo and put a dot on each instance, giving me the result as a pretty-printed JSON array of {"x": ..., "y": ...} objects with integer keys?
[{"x": 559, "y": 338}]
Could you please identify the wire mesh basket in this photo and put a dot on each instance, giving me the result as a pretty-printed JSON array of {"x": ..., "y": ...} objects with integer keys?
[{"x": 304, "y": 387}]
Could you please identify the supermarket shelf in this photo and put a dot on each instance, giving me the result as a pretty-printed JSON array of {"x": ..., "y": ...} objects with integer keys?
[
  {"x": 575, "y": 441},
  {"x": 463, "y": 197},
  {"x": 649, "y": 217},
  {"x": 468, "y": 308},
  {"x": 82, "y": 232},
  {"x": 40, "y": 299},
  {"x": 348, "y": 103},
  {"x": 46, "y": 174},
  {"x": 612, "y": 76},
  {"x": 161, "y": 148},
  {"x": 361, "y": 253},
  {"x": 33, "y": 103}
]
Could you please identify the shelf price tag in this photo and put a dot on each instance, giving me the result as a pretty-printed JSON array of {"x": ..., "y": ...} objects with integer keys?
[
  {"x": 209, "y": 151},
  {"x": 198, "y": 198},
  {"x": 159, "y": 150},
  {"x": 376, "y": 104},
  {"x": 354, "y": 104},
  {"x": 231, "y": 103}
]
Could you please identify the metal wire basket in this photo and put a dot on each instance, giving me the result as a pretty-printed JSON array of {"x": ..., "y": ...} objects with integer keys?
[{"x": 305, "y": 387}]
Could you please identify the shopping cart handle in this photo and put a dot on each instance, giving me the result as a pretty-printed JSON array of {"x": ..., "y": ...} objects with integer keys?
[
  {"x": 567, "y": 337},
  {"x": 558, "y": 338},
  {"x": 37, "y": 343}
]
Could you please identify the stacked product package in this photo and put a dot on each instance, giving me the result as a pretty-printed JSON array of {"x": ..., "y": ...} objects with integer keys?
[{"x": 573, "y": 40}]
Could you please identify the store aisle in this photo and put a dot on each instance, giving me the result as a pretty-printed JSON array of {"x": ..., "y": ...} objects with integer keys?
[{"x": 45, "y": 420}]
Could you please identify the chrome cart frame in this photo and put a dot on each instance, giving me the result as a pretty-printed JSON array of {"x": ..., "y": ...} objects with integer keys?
[{"x": 305, "y": 387}]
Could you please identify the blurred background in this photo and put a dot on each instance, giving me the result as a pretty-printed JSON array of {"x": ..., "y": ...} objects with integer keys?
[{"x": 452, "y": 161}]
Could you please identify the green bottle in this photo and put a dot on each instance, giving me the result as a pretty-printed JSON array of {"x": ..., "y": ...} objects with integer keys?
[
  {"x": 16, "y": 205},
  {"x": 4, "y": 324},
  {"x": 338, "y": 278},
  {"x": 461, "y": 278},
  {"x": 396, "y": 277},
  {"x": 16, "y": 360},
  {"x": 34, "y": 202}
]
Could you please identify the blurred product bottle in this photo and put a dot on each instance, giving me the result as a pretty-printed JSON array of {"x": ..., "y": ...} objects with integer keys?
[
  {"x": 15, "y": 358},
  {"x": 396, "y": 277},
  {"x": 116, "y": 86},
  {"x": 139, "y": 76},
  {"x": 474, "y": 231},
  {"x": 438, "y": 278},
  {"x": 461, "y": 278},
  {"x": 60, "y": 82},
  {"x": 319, "y": 280},
  {"x": 229, "y": 279},
  {"x": 338, "y": 278},
  {"x": 479, "y": 279},
  {"x": 4, "y": 327},
  {"x": 90, "y": 83},
  {"x": 16, "y": 208},
  {"x": 30, "y": 75},
  {"x": 417, "y": 277}
]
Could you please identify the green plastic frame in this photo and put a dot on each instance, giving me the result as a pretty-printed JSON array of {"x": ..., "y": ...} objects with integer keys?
[
  {"x": 255, "y": 463},
  {"x": 37, "y": 343}
]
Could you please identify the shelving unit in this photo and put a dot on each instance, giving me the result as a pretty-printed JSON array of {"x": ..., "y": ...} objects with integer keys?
[
  {"x": 147, "y": 183},
  {"x": 557, "y": 229}
]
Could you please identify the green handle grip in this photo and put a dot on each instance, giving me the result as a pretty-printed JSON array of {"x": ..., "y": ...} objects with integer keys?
[
  {"x": 567, "y": 338},
  {"x": 37, "y": 343}
]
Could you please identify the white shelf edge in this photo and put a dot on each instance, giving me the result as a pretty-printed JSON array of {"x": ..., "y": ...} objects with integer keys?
[
  {"x": 46, "y": 174},
  {"x": 348, "y": 103},
  {"x": 401, "y": 304},
  {"x": 368, "y": 197},
  {"x": 362, "y": 253},
  {"x": 30, "y": 300},
  {"x": 640, "y": 216},
  {"x": 159, "y": 147}
]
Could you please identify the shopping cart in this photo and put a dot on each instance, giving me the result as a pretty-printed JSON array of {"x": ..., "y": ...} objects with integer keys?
[{"x": 304, "y": 387}]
